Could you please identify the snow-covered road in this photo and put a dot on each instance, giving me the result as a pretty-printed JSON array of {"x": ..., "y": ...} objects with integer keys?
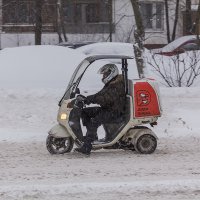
[{"x": 29, "y": 172}]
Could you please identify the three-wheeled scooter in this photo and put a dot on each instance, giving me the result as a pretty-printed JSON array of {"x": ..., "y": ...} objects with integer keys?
[{"x": 143, "y": 107}]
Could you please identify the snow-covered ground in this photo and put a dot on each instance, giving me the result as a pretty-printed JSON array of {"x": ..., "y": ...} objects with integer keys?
[{"x": 29, "y": 172}]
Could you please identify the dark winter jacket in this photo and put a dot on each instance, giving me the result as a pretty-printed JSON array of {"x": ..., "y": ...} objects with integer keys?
[{"x": 111, "y": 97}]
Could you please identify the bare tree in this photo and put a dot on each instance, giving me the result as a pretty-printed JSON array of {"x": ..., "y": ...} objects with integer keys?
[
  {"x": 110, "y": 19},
  {"x": 197, "y": 22},
  {"x": 188, "y": 17},
  {"x": 175, "y": 19},
  {"x": 167, "y": 21},
  {"x": 32, "y": 13},
  {"x": 171, "y": 37},
  {"x": 139, "y": 38},
  {"x": 0, "y": 21},
  {"x": 38, "y": 21},
  {"x": 176, "y": 71},
  {"x": 60, "y": 22}
]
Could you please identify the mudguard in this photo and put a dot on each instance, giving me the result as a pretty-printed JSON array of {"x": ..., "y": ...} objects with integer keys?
[
  {"x": 59, "y": 131},
  {"x": 136, "y": 132},
  {"x": 143, "y": 132}
]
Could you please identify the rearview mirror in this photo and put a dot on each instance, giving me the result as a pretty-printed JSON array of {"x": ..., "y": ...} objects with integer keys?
[{"x": 77, "y": 91}]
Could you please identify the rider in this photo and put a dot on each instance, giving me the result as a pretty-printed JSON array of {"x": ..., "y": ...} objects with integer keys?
[{"x": 112, "y": 101}]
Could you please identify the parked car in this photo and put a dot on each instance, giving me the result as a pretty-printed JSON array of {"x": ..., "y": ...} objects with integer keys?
[
  {"x": 178, "y": 46},
  {"x": 74, "y": 45}
]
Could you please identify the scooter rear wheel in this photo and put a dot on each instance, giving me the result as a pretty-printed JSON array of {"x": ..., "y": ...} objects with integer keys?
[
  {"x": 146, "y": 144},
  {"x": 59, "y": 145}
]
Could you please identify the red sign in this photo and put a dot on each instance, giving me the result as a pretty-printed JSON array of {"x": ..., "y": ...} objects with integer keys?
[{"x": 145, "y": 100}]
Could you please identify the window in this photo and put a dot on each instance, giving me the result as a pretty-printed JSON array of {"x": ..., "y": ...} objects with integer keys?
[
  {"x": 152, "y": 15},
  {"x": 91, "y": 74},
  {"x": 193, "y": 29},
  {"x": 18, "y": 12},
  {"x": 85, "y": 11},
  {"x": 191, "y": 46},
  {"x": 19, "y": 15},
  {"x": 92, "y": 13},
  {"x": 72, "y": 12},
  {"x": 80, "y": 16},
  {"x": 86, "y": 16}
]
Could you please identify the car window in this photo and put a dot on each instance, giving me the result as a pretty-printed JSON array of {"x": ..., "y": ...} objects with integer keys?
[{"x": 190, "y": 46}]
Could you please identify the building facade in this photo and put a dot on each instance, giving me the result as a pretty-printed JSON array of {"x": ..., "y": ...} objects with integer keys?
[{"x": 88, "y": 20}]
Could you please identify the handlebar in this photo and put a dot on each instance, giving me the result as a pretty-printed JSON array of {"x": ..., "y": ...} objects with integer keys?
[{"x": 79, "y": 101}]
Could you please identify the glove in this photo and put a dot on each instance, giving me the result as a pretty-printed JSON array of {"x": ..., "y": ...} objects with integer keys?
[
  {"x": 79, "y": 102},
  {"x": 88, "y": 100},
  {"x": 80, "y": 98}
]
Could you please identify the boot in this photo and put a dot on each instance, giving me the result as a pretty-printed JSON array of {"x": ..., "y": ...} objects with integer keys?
[{"x": 86, "y": 147}]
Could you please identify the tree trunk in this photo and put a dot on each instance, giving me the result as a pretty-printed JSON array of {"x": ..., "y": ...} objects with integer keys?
[
  {"x": 197, "y": 22},
  {"x": 38, "y": 21},
  {"x": 167, "y": 21},
  {"x": 188, "y": 17},
  {"x": 139, "y": 38},
  {"x": 176, "y": 19},
  {"x": 110, "y": 19},
  {"x": 60, "y": 22}
]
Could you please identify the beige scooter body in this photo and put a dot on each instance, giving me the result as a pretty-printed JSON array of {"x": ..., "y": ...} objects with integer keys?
[{"x": 143, "y": 108}]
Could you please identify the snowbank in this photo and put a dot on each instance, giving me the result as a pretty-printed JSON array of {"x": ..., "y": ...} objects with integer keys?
[
  {"x": 37, "y": 66},
  {"x": 28, "y": 171},
  {"x": 29, "y": 114}
]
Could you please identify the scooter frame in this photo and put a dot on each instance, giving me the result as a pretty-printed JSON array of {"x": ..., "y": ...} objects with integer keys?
[{"x": 130, "y": 130}]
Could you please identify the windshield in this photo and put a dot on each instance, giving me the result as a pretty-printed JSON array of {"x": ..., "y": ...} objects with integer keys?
[
  {"x": 76, "y": 78},
  {"x": 72, "y": 88}
]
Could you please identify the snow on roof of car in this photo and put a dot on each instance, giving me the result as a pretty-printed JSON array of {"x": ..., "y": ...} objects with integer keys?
[
  {"x": 108, "y": 48},
  {"x": 176, "y": 43}
]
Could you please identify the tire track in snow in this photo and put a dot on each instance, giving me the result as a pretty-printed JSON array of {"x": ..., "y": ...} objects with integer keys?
[{"x": 109, "y": 189}]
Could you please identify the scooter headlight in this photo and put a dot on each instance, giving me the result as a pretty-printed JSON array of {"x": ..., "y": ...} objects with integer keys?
[{"x": 63, "y": 116}]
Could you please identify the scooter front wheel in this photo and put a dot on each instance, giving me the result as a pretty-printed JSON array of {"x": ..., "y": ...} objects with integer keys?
[{"x": 59, "y": 145}]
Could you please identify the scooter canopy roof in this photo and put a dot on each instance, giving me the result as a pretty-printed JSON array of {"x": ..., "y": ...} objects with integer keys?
[{"x": 99, "y": 57}]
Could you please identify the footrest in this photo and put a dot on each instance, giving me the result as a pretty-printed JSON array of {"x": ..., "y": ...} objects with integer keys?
[
  {"x": 101, "y": 141},
  {"x": 96, "y": 142}
]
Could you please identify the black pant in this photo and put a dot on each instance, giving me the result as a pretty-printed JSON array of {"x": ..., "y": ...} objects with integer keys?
[{"x": 93, "y": 117}]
